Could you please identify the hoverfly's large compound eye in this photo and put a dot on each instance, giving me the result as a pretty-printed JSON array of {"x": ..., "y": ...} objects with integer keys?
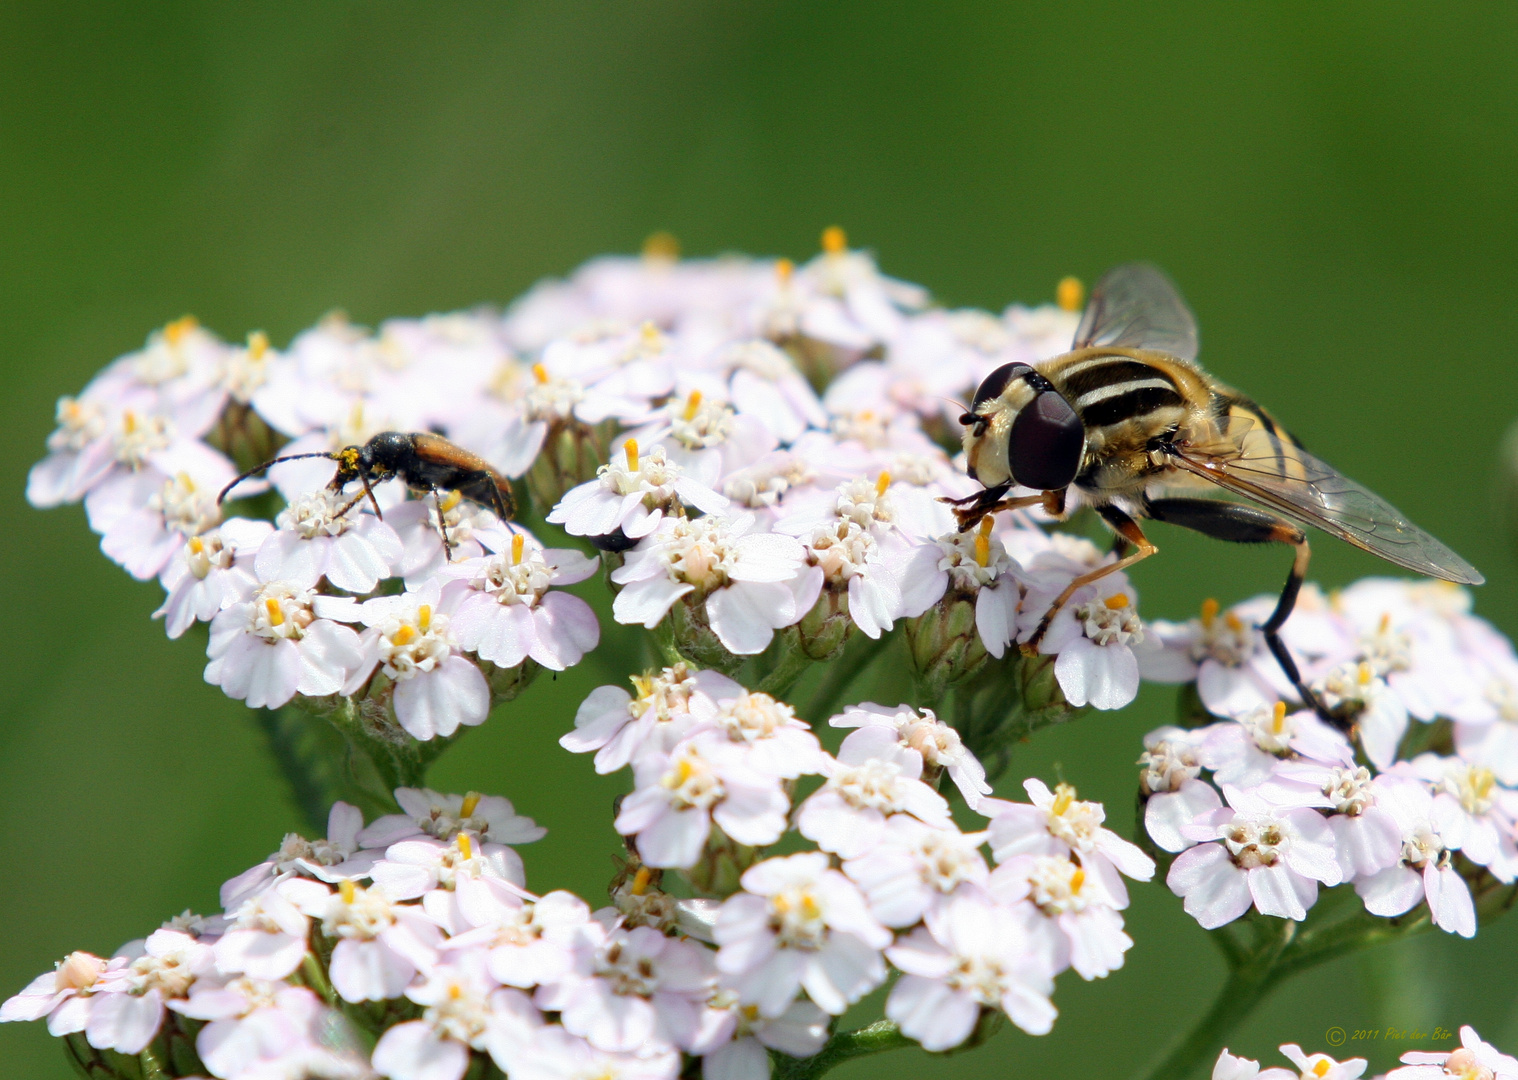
[
  {"x": 1045, "y": 444},
  {"x": 994, "y": 384}
]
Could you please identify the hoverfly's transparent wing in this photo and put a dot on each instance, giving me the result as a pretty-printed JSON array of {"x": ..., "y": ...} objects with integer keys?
[
  {"x": 1252, "y": 460},
  {"x": 1136, "y": 306}
]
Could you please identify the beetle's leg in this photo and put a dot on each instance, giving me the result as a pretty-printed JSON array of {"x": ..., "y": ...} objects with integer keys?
[
  {"x": 442, "y": 523},
  {"x": 1241, "y": 524},
  {"x": 1125, "y": 527}
]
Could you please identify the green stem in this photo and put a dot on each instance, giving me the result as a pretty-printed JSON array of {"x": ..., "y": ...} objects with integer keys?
[
  {"x": 308, "y": 754},
  {"x": 877, "y": 1038},
  {"x": 842, "y": 674},
  {"x": 152, "y": 1065},
  {"x": 315, "y": 978},
  {"x": 790, "y": 666},
  {"x": 1247, "y": 985}
]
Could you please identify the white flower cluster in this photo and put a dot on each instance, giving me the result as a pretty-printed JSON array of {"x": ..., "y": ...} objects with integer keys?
[
  {"x": 894, "y": 879},
  {"x": 430, "y": 907},
  {"x": 1475, "y": 1060},
  {"x": 740, "y": 493},
  {"x": 1410, "y": 796}
]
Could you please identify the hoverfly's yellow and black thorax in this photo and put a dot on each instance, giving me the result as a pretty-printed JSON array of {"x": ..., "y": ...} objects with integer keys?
[{"x": 1022, "y": 430}]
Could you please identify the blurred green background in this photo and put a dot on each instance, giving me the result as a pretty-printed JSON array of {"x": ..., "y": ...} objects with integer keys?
[{"x": 1333, "y": 186}]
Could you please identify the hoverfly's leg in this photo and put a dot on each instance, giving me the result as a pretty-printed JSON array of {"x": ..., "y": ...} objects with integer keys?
[
  {"x": 1125, "y": 527},
  {"x": 442, "y": 524},
  {"x": 1241, "y": 524},
  {"x": 969, "y": 516}
]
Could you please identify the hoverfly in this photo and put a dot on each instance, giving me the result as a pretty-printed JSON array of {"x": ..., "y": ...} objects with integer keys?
[
  {"x": 1131, "y": 422},
  {"x": 423, "y": 461}
]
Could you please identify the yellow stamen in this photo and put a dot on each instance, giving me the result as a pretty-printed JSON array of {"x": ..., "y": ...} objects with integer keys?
[
  {"x": 834, "y": 240},
  {"x": 276, "y": 616},
  {"x": 1209, "y": 613},
  {"x": 185, "y": 481},
  {"x": 631, "y": 449},
  {"x": 452, "y": 499},
  {"x": 466, "y": 849},
  {"x": 455, "y": 991},
  {"x": 518, "y": 545},
  {"x": 258, "y": 344},
  {"x": 1322, "y": 1067},
  {"x": 471, "y": 802},
  {"x": 424, "y": 617},
  {"x": 197, "y": 545},
  {"x": 784, "y": 268},
  {"x": 1365, "y": 674},
  {"x": 1077, "y": 879},
  {"x": 1278, "y": 722},
  {"x": 692, "y": 404},
  {"x": 1064, "y": 795},
  {"x": 642, "y": 880},
  {"x": 642, "y": 684},
  {"x": 1070, "y": 293},
  {"x": 347, "y": 890},
  {"x": 175, "y": 332},
  {"x": 809, "y": 907},
  {"x": 129, "y": 422},
  {"x": 651, "y": 335},
  {"x": 1231, "y": 621},
  {"x": 404, "y": 636},
  {"x": 983, "y": 542},
  {"x": 882, "y": 483},
  {"x": 661, "y": 245},
  {"x": 1116, "y": 602},
  {"x": 1385, "y": 622},
  {"x": 540, "y": 373}
]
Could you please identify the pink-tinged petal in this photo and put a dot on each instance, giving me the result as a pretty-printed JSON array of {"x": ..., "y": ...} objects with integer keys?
[
  {"x": 368, "y": 971},
  {"x": 1104, "y": 676},
  {"x": 931, "y": 1013},
  {"x": 329, "y": 651},
  {"x": 600, "y": 716},
  {"x": 1449, "y": 901},
  {"x": 1311, "y": 851},
  {"x": 123, "y": 1022},
  {"x": 1168, "y": 812},
  {"x": 744, "y": 616},
  {"x": 753, "y": 816},
  {"x": 675, "y": 838},
  {"x": 566, "y": 629},
  {"x": 772, "y": 986},
  {"x": 284, "y": 556},
  {"x": 504, "y": 635},
  {"x": 436, "y": 702},
  {"x": 1230, "y": 691},
  {"x": 1216, "y": 890},
  {"x": 262, "y": 674},
  {"x": 1366, "y": 843},
  {"x": 355, "y": 564},
  {"x": 996, "y": 617},
  {"x": 645, "y": 603},
  {"x": 1127, "y": 857},
  {"x": 570, "y": 567},
  {"x": 71, "y": 1016},
  {"x": 842, "y": 972},
  {"x": 742, "y": 1059},
  {"x": 411, "y": 1051},
  {"x": 1391, "y": 892},
  {"x": 1274, "y": 893},
  {"x": 138, "y": 543}
]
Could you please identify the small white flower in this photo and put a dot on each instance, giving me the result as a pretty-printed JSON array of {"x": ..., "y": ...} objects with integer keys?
[
  {"x": 1475, "y": 1060},
  {"x": 253, "y": 1022},
  {"x": 1060, "y": 824},
  {"x": 331, "y": 859},
  {"x": 412, "y": 868},
  {"x": 64, "y": 995},
  {"x": 799, "y": 925},
  {"x": 491, "y": 818},
  {"x": 266, "y": 938},
  {"x": 937, "y": 743},
  {"x": 1423, "y": 870},
  {"x": 437, "y": 689},
  {"x": 916, "y": 869},
  {"x": 462, "y": 1010},
  {"x": 129, "y": 1001},
  {"x": 142, "y": 534},
  {"x": 1088, "y": 928},
  {"x": 1380, "y": 717},
  {"x": 703, "y": 781},
  {"x": 631, "y": 495},
  {"x": 525, "y": 941},
  {"x": 976, "y": 564},
  {"x": 773, "y": 741},
  {"x": 551, "y": 1053},
  {"x": 504, "y": 612},
  {"x": 736, "y": 1038},
  {"x": 1094, "y": 635},
  {"x": 669, "y": 705},
  {"x": 275, "y": 644},
  {"x": 1271, "y": 857},
  {"x": 381, "y": 945},
  {"x": 749, "y": 581},
  {"x": 473, "y": 532},
  {"x": 210, "y": 573},
  {"x": 873, "y": 777},
  {"x": 970, "y": 955},
  {"x": 637, "y": 988},
  {"x": 352, "y": 550}
]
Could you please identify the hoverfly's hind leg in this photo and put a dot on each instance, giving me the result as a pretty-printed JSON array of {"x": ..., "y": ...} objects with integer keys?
[
  {"x": 1241, "y": 524},
  {"x": 1126, "y": 528}
]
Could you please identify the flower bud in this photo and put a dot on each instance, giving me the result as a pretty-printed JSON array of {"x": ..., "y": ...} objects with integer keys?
[
  {"x": 694, "y": 637},
  {"x": 943, "y": 641},
  {"x": 721, "y": 865},
  {"x": 825, "y": 629},
  {"x": 507, "y": 683}
]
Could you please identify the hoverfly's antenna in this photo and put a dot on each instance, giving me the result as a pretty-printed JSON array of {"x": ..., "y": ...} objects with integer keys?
[{"x": 268, "y": 465}]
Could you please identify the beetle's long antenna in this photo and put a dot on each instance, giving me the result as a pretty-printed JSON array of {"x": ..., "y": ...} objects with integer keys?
[{"x": 267, "y": 465}]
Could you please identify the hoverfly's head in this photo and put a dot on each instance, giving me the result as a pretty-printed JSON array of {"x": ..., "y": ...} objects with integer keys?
[{"x": 1021, "y": 430}]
